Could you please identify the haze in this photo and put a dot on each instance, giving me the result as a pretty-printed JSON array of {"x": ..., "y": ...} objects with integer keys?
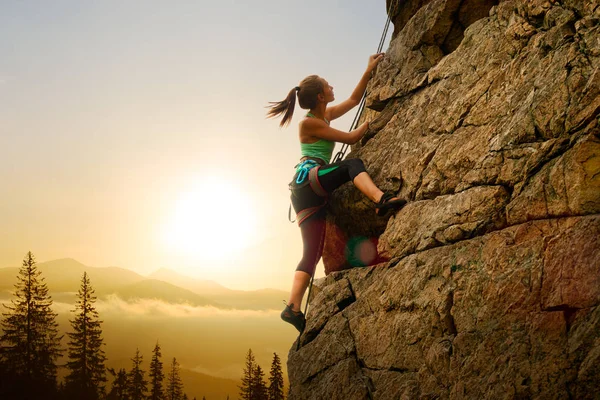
[{"x": 114, "y": 114}]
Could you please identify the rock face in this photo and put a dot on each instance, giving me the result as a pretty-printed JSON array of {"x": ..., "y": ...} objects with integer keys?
[{"x": 484, "y": 115}]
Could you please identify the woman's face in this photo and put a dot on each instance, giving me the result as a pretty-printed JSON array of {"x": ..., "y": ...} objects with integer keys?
[{"x": 328, "y": 92}]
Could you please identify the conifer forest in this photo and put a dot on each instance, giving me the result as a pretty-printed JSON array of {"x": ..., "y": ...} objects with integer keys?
[{"x": 32, "y": 351}]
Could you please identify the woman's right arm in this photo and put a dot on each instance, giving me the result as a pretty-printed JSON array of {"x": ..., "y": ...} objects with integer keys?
[
  {"x": 337, "y": 111},
  {"x": 311, "y": 128}
]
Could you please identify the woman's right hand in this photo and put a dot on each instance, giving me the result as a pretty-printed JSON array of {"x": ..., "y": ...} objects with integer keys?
[{"x": 374, "y": 60}]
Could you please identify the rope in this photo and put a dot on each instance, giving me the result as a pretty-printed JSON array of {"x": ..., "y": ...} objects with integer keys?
[
  {"x": 312, "y": 278},
  {"x": 361, "y": 106}
]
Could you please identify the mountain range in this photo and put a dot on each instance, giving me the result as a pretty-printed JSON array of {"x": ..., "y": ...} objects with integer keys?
[{"x": 63, "y": 277}]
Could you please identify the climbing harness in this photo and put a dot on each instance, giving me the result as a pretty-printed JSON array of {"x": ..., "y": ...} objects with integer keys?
[
  {"x": 303, "y": 170},
  {"x": 307, "y": 170}
]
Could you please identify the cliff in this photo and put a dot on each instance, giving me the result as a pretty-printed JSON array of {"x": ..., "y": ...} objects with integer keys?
[{"x": 484, "y": 115}]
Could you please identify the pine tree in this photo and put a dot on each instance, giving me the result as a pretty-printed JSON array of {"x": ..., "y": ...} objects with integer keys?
[
  {"x": 246, "y": 389},
  {"x": 156, "y": 375},
  {"x": 259, "y": 391},
  {"x": 30, "y": 344},
  {"x": 87, "y": 372},
  {"x": 119, "y": 385},
  {"x": 276, "y": 379},
  {"x": 174, "y": 385},
  {"x": 136, "y": 384}
]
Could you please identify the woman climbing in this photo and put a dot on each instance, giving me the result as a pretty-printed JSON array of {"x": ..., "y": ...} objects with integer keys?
[{"x": 315, "y": 178}]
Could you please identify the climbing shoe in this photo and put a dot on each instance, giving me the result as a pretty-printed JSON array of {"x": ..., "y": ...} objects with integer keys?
[
  {"x": 388, "y": 202},
  {"x": 295, "y": 318}
]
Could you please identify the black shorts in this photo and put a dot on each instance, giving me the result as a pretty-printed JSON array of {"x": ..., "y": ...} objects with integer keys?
[{"x": 331, "y": 177}]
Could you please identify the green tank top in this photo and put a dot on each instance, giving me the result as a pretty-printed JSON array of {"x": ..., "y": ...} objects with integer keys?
[{"x": 322, "y": 148}]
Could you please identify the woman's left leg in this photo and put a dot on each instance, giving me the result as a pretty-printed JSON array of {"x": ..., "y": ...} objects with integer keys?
[
  {"x": 332, "y": 176},
  {"x": 313, "y": 238}
]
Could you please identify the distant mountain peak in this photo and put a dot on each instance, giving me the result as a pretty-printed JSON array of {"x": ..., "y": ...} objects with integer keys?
[
  {"x": 62, "y": 262},
  {"x": 164, "y": 270}
]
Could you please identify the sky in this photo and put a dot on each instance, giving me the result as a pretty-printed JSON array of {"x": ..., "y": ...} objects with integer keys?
[{"x": 133, "y": 133}]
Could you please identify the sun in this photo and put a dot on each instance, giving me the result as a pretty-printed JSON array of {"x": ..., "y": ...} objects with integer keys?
[{"x": 212, "y": 219}]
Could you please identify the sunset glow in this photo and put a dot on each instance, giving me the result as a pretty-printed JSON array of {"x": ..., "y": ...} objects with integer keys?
[
  {"x": 212, "y": 219},
  {"x": 137, "y": 152},
  {"x": 124, "y": 127}
]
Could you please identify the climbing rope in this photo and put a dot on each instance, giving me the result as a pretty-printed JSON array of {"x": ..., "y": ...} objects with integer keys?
[{"x": 361, "y": 106}]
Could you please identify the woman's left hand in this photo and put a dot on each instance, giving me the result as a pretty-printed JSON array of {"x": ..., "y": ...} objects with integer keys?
[{"x": 374, "y": 60}]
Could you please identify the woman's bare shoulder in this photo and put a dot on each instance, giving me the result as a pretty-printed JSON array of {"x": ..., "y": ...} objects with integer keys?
[
  {"x": 311, "y": 123},
  {"x": 309, "y": 129}
]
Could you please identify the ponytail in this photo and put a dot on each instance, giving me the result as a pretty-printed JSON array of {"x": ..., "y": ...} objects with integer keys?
[
  {"x": 308, "y": 92},
  {"x": 285, "y": 107}
]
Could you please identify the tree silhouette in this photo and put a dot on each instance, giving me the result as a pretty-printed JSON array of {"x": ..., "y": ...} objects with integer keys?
[
  {"x": 156, "y": 375},
  {"x": 119, "y": 386},
  {"x": 6, "y": 383},
  {"x": 30, "y": 344},
  {"x": 87, "y": 372},
  {"x": 276, "y": 379},
  {"x": 246, "y": 389},
  {"x": 136, "y": 384},
  {"x": 174, "y": 385},
  {"x": 259, "y": 391}
]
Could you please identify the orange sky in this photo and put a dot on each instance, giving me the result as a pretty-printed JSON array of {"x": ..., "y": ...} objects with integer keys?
[{"x": 117, "y": 119}]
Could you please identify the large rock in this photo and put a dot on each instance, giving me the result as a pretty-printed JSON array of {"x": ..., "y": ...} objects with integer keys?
[
  {"x": 571, "y": 278},
  {"x": 446, "y": 219},
  {"x": 513, "y": 105},
  {"x": 567, "y": 185},
  {"x": 484, "y": 116},
  {"x": 510, "y": 314}
]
